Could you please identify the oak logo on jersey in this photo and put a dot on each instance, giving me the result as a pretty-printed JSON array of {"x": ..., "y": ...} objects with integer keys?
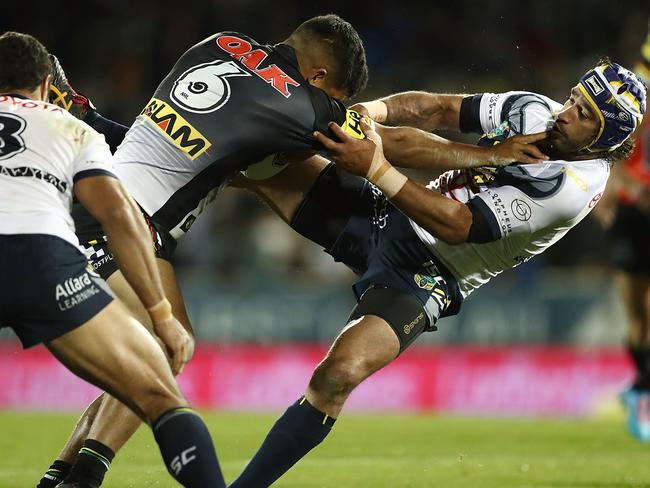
[
  {"x": 204, "y": 88},
  {"x": 242, "y": 51},
  {"x": 178, "y": 130}
]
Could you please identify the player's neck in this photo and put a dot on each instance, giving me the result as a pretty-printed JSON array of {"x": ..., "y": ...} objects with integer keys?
[{"x": 32, "y": 95}]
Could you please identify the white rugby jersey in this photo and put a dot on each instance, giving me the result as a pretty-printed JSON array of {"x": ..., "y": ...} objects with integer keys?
[
  {"x": 528, "y": 207},
  {"x": 43, "y": 151}
]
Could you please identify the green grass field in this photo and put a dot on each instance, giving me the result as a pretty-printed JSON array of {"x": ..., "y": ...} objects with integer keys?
[{"x": 371, "y": 451}]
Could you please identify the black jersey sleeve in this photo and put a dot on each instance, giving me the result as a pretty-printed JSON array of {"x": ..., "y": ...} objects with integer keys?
[
  {"x": 327, "y": 109},
  {"x": 470, "y": 117}
]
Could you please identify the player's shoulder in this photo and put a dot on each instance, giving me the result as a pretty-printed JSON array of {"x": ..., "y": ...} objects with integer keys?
[
  {"x": 229, "y": 40},
  {"x": 65, "y": 125},
  {"x": 528, "y": 112}
]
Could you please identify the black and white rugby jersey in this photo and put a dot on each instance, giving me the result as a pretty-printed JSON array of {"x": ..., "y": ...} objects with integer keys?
[{"x": 229, "y": 102}]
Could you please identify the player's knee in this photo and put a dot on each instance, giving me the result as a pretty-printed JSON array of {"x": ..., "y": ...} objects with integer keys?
[
  {"x": 338, "y": 377},
  {"x": 156, "y": 397}
]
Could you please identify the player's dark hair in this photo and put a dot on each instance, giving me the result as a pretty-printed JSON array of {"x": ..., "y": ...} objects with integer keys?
[
  {"x": 621, "y": 153},
  {"x": 344, "y": 48},
  {"x": 24, "y": 62}
]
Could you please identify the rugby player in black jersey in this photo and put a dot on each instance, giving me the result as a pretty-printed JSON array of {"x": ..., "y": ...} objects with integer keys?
[
  {"x": 228, "y": 103},
  {"x": 49, "y": 295}
]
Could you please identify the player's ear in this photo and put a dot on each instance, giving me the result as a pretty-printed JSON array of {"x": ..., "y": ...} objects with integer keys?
[
  {"x": 317, "y": 76},
  {"x": 44, "y": 88}
]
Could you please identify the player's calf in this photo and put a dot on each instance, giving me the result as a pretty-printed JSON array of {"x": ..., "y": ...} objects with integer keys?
[
  {"x": 126, "y": 361},
  {"x": 364, "y": 346}
]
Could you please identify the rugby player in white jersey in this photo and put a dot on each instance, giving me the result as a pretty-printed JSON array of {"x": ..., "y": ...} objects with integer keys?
[
  {"x": 419, "y": 251},
  {"x": 48, "y": 292}
]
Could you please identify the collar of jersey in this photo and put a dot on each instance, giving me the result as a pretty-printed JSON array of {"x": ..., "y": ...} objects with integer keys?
[
  {"x": 15, "y": 95},
  {"x": 288, "y": 53}
]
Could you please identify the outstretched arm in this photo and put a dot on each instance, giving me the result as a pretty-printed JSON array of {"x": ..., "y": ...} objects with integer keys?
[
  {"x": 426, "y": 111},
  {"x": 407, "y": 147},
  {"x": 415, "y": 147}
]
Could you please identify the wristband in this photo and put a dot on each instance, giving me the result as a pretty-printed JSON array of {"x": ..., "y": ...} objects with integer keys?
[
  {"x": 388, "y": 179},
  {"x": 377, "y": 110},
  {"x": 161, "y": 311}
]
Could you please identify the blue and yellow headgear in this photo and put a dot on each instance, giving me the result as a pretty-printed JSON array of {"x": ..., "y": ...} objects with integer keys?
[{"x": 618, "y": 98}]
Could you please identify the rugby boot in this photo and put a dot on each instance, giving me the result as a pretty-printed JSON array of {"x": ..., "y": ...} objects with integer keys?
[
  {"x": 63, "y": 95},
  {"x": 637, "y": 403}
]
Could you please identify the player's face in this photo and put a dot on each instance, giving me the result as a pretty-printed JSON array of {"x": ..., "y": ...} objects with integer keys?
[{"x": 575, "y": 127}]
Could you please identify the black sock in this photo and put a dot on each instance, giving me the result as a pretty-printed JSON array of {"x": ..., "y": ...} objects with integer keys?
[
  {"x": 113, "y": 132},
  {"x": 91, "y": 464},
  {"x": 641, "y": 358},
  {"x": 55, "y": 475},
  {"x": 298, "y": 431},
  {"x": 186, "y": 447}
]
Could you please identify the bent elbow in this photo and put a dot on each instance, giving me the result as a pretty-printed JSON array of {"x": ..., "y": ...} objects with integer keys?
[
  {"x": 460, "y": 222},
  {"x": 117, "y": 211}
]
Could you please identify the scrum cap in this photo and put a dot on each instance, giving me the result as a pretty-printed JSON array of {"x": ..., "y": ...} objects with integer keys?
[{"x": 618, "y": 98}]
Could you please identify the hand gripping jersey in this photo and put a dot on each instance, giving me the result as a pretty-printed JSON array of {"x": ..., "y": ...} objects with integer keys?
[
  {"x": 43, "y": 151},
  {"x": 528, "y": 207},
  {"x": 229, "y": 102}
]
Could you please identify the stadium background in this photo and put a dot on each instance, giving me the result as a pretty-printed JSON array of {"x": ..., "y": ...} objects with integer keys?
[{"x": 265, "y": 302}]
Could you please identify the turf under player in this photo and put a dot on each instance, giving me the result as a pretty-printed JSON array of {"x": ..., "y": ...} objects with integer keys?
[
  {"x": 420, "y": 251},
  {"x": 625, "y": 211},
  {"x": 49, "y": 295},
  {"x": 229, "y": 102}
]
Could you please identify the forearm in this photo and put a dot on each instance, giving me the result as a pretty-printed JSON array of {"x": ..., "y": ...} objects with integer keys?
[
  {"x": 407, "y": 147},
  {"x": 427, "y": 111},
  {"x": 131, "y": 245},
  {"x": 442, "y": 217}
]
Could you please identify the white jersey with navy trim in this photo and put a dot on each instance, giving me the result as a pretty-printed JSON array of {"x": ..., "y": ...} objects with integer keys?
[
  {"x": 528, "y": 207},
  {"x": 43, "y": 151}
]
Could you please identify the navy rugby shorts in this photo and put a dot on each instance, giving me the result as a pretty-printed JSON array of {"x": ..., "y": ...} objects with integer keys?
[
  {"x": 47, "y": 287},
  {"x": 359, "y": 227}
]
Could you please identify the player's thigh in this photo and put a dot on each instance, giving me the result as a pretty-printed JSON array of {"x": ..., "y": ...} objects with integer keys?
[
  {"x": 127, "y": 295},
  {"x": 116, "y": 353},
  {"x": 285, "y": 191}
]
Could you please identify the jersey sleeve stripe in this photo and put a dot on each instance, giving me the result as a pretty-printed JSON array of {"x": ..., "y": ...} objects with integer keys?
[
  {"x": 470, "y": 114},
  {"x": 92, "y": 172},
  {"x": 485, "y": 227}
]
